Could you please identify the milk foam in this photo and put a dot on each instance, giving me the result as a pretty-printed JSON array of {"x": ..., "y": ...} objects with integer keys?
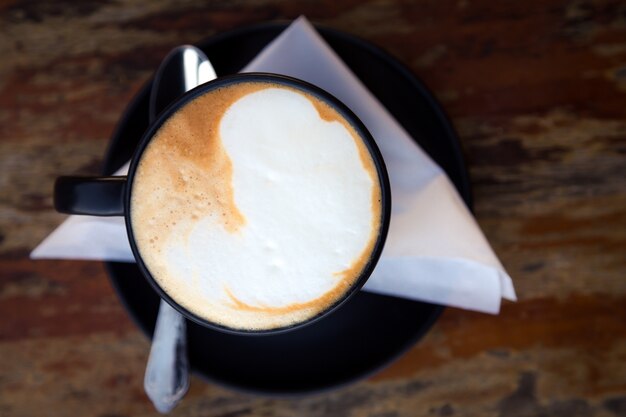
[{"x": 267, "y": 217}]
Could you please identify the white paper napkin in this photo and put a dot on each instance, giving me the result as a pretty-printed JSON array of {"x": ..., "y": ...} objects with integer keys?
[{"x": 435, "y": 251}]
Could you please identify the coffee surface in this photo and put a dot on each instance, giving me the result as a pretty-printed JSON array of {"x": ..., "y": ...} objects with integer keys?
[{"x": 256, "y": 206}]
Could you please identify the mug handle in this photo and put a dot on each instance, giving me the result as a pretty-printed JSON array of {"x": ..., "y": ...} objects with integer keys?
[{"x": 96, "y": 196}]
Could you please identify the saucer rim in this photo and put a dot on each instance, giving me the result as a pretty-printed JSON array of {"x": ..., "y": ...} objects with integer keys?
[{"x": 462, "y": 184}]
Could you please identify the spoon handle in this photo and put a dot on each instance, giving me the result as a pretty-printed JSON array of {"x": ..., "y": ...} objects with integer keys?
[{"x": 167, "y": 374}]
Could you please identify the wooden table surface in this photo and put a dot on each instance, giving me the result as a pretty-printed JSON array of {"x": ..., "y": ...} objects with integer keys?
[{"x": 537, "y": 92}]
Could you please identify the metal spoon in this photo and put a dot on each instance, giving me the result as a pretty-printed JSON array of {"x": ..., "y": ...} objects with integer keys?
[{"x": 167, "y": 373}]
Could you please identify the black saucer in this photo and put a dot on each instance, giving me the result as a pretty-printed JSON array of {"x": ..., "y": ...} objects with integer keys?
[{"x": 370, "y": 330}]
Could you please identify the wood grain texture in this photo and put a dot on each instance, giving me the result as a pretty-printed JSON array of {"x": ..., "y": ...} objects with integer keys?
[{"x": 537, "y": 92}]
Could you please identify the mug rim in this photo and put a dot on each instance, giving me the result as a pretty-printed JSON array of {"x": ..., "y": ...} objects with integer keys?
[{"x": 336, "y": 104}]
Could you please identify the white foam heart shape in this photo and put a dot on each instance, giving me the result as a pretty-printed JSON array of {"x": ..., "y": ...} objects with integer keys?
[{"x": 306, "y": 196}]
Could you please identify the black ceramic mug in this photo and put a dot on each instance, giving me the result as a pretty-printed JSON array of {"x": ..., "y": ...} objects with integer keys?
[{"x": 111, "y": 196}]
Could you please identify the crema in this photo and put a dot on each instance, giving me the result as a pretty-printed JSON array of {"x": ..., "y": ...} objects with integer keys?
[{"x": 256, "y": 206}]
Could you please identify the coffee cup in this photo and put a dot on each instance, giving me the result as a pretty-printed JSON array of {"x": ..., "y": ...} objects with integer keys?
[{"x": 254, "y": 204}]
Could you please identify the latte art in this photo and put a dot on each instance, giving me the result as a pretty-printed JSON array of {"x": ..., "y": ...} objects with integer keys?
[{"x": 256, "y": 206}]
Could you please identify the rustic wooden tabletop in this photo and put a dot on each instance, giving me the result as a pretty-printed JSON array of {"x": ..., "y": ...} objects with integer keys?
[{"x": 537, "y": 93}]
